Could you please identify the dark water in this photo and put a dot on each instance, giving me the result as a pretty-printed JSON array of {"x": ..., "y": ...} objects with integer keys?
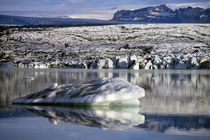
[{"x": 176, "y": 106}]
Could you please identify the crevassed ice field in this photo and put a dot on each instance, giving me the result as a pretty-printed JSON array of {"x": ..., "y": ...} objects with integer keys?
[{"x": 152, "y": 46}]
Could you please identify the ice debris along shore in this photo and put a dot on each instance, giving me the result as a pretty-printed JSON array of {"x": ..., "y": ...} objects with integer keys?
[
  {"x": 129, "y": 46},
  {"x": 101, "y": 92},
  {"x": 104, "y": 118},
  {"x": 132, "y": 62}
]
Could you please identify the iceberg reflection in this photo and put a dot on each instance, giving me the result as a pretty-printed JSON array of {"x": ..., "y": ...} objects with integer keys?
[
  {"x": 108, "y": 118},
  {"x": 177, "y": 124},
  {"x": 102, "y": 117}
]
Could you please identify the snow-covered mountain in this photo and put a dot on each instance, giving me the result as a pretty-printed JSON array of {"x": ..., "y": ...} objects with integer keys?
[
  {"x": 162, "y": 14},
  {"x": 156, "y": 14}
]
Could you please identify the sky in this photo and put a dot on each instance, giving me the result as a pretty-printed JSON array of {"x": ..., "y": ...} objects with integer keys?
[{"x": 88, "y": 9}]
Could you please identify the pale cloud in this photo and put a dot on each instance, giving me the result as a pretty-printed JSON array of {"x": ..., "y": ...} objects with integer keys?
[
  {"x": 93, "y": 13},
  {"x": 204, "y": 5},
  {"x": 90, "y": 16},
  {"x": 108, "y": 12},
  {"x": 89, "y": 9}
]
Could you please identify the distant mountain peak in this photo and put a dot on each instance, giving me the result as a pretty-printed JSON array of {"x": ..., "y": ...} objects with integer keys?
[
  {"x": 148, "y": 13},
  {"x": 163, "y": 6}
]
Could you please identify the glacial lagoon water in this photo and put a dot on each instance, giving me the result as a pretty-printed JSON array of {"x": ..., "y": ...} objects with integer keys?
[{"x": 176, "y": 106}]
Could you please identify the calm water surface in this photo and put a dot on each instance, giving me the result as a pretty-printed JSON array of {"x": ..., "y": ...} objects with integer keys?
[{"x": 176, "y": 106}]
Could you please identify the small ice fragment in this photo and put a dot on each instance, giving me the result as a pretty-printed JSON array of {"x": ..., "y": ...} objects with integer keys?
[
  {"x": 28, "y": 78},
  {"x": 53, "y": 86}
]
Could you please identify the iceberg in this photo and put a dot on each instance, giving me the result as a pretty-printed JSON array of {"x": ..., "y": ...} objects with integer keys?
[
  {"x": 101, "y": 92},
  {"x": 106, "y": 118}
]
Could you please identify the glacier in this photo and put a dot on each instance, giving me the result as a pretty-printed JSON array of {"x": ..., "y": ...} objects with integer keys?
[
  {"x": 101, "y": 92},
  {"x": 155, "y": 46}
]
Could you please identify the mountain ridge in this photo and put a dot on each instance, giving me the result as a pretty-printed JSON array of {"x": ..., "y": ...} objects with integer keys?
[
  {"x": 163, "y": 14},
  {"x": 153, "y": 14},
  {"x": 20, "y": 20}
]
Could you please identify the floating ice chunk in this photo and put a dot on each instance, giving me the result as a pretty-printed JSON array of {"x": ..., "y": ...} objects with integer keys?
[
  {"x": 28, "y": 78},
  {"x": 148, "y": 65},
  {"x": 102, "y": 92},
  {"x": 105, "y": 63},
  {"x": 123, "y": 63}
]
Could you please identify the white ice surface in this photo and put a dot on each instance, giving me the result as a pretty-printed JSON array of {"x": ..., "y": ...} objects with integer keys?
[
  {"x": 71, "y": 47},
  {"x": 105, "y": 91}
]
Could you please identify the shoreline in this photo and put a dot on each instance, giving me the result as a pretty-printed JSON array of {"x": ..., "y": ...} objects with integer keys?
[{"x": 133, "y": 62}]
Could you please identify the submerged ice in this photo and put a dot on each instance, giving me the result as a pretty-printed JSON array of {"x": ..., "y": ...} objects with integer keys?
[{"x": 105, "y": 91}]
